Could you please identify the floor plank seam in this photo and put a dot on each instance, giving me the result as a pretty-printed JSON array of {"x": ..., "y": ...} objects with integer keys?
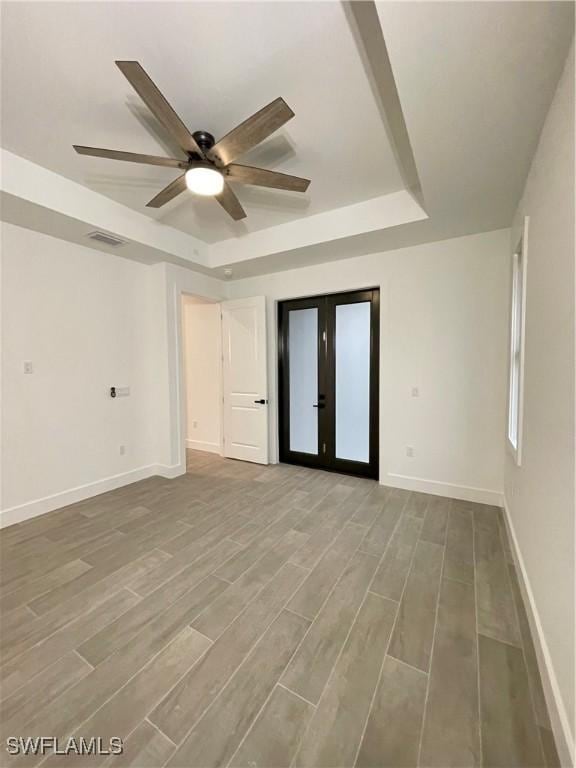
[
  {"x": 33, "y": 614},
  {"x": 235, "y": 672},
  {"x": 430, "y": 660},
  {"x": 202, "y": 633},
  {"x": 379, "y": 676},
  {"x": 352, "y": 624},
  {"x": 59, "y": 629},
  {"x": 188, "y": 564},
  {"x": 133, "y": 592},
  {"x": 77, "y": 728},
  {"x": 222, "y": 689},
  {"x": 251, "y": 726},
  {"x": 319, "y": 611},
  {"x": 374, "y": 693},
  {"x": 286, "y": 666},
  {"x": 410, "y": 666},
  {"x": 76, "y": 652},
  {"x": 382, "y": 597},
  {"x": 457, "y": 581},
  {"x": 230, "y": 623},
  {"x": 509, "y": 643},
  {"x": 158, "y": 730},
  {"x": 300, "y": 615},
  {"x": 477, "y": 640},
  {"x": 298, "y": 695},
  {"x": 505, "y": 547}
]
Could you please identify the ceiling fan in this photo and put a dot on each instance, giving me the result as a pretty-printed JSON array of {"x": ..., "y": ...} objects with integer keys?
[{"x": 209, "y": 165}]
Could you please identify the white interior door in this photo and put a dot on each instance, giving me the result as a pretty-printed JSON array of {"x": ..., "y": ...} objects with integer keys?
[{"x": 245, "y": 379}]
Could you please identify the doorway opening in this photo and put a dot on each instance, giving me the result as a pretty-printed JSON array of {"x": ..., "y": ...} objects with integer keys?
[
  {"x": 202, "y": 368},
  {"x": 224, "y": 407},
  {"x": 328, "y": 363}
]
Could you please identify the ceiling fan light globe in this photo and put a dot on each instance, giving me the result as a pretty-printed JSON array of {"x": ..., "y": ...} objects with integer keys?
[{"x": 204, "y": 181}]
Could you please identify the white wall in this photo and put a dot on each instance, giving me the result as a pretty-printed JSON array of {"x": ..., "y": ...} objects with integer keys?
[
  {"x": 202, "y": 352},
  {"x": 540, "y": 493},
  {"x": 88, "y": 320},
  {"x": 85, "y": 319},
  {"x": 443, "y": 330}
]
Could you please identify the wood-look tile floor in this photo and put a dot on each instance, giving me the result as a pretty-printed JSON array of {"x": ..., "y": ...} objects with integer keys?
[{"x": 270, "y": 616}]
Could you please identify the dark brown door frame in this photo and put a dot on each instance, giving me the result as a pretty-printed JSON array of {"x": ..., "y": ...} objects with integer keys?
[{"x": 326, "y": 306}]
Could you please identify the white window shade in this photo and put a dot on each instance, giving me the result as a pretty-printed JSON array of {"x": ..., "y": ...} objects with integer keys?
[{"x": 517, "y": 316}]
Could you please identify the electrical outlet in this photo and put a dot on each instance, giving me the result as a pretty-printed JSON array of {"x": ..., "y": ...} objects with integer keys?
[
  {"x": 122, "y": 450},
  {"x": 194, "y": 425},
  {"x": 28, "y": 367},
  {"x": 415, "y": 392},
  {"x": 410, "y": 451}
]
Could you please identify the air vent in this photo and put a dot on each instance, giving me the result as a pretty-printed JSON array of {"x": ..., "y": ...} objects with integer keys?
[{"x": 104, "y": 237}]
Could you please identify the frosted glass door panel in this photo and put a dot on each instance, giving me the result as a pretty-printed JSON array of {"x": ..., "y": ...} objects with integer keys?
[
  {"x": 303, "y": 356},
  {"x": 353, "y": 381}
]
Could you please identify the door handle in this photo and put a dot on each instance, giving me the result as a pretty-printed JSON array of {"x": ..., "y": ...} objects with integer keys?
[
  {"x": 318, "y": 405},
  {"x": 261, "y": 401}
]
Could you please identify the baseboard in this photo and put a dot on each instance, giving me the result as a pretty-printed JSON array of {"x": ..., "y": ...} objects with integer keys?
[
  {"x": 199, "y": 445},
  {"x": 556, "y": 710},
  {"x": 436, "y": 488},
  {"x": 169, "y": 470},
  {"x": 30, "y": 509}
]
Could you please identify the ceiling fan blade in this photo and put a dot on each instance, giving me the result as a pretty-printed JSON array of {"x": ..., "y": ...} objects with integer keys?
[
  {"x": 168, "y": 193},
  {"x": 260, "y": 177},
  {"x": 131, "y": 157},
  {"x": 230, "y": 203},
  {"x": 157, "y": 104},
  {"x": 251, "y": 132}
]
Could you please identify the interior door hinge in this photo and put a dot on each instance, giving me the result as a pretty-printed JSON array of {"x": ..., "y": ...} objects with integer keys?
[
  {"x": 324, "y": 336},
  {"x": 323, "y": 447}
]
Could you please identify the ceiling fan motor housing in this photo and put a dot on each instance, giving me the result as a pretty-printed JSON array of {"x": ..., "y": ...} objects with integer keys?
[{"x": 204, "y": 140}]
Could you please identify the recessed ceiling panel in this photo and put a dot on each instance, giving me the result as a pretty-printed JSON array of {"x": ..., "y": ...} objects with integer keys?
[{"x": 217, "y": 63}]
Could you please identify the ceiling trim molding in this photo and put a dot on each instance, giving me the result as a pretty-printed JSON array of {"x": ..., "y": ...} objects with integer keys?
[
  {"x": 365, "y": 25},
  {"x": 38, "y": 186},
  {"x": 41, "y": 199},
  {"x": 371, "y": 215}
]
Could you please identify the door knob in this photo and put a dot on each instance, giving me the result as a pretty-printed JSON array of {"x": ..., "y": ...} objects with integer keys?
[{"x": 261, "y": 401}]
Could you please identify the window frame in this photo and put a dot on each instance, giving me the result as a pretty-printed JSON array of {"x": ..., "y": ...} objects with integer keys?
[{"x": 516, "y": 351}]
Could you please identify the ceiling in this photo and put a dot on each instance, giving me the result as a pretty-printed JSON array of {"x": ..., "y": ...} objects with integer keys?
[
  {"x": 217, "y": 63},
  {"x": 476, "y": 80},
  {"x": 415, "y": 121}
]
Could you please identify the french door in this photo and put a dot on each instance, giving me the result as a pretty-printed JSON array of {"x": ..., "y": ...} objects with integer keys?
[{"x": 328, "y": 382}]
